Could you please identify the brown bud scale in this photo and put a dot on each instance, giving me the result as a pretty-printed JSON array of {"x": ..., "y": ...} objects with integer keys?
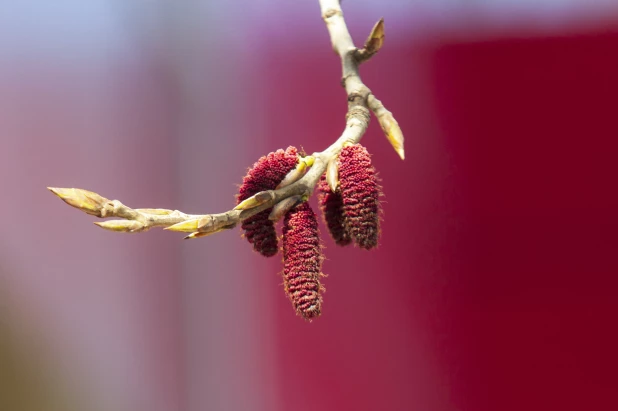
[
  {"x": 302, "y": 260},
  {"x": 265, "y": 174}
]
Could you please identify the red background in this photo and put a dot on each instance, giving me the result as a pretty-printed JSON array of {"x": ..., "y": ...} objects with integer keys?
[{"x": 495, "y": 284}]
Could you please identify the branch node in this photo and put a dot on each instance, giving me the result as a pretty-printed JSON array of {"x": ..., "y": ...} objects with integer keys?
[
  {"x": 330, "y": 13},
  {"x": 358, "y": 112}
]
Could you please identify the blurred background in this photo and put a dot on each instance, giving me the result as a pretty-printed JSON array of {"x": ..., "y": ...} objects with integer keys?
[{"x": 494, "y": 287}]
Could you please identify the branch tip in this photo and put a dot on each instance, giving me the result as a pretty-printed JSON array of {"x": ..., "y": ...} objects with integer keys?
[
  {"x": 393, "y": 133},
  {"x": 389, "y": 125},
  {"x": 84, "y": 200},
  {"x": 195, "y": 235},
  {"x": 373, "y": 44}
]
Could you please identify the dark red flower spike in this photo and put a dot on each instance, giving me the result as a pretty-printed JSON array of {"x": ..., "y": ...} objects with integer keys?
[
  {"x": 331, "y": 205},
  {"x": 360, "y": 192},
  {"x": 265, "y": 174},
  {"x": 302, "y": 261}
]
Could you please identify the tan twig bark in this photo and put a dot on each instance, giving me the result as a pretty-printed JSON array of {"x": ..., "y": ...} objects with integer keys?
[{"x": 360, "y": 102}]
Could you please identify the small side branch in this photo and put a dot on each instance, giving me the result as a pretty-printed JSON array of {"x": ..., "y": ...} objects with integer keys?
[{"x": 133, "y": 220}]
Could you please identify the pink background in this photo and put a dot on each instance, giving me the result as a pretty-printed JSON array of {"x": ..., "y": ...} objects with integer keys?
[{"x": 493, "y": 288}]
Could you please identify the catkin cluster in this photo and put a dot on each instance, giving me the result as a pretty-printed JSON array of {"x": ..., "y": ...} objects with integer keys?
[
  {"x": 351, "y": 213},
  {"x": 265, "y": 175}
]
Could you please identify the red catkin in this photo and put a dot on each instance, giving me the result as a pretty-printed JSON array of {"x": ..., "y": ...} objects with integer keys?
[
  {"x": 331, "y": 205},
  {"x": 360, "y": 192},
  {"x": 265, "y": 174},
  {"x": 302, "y": 261}
]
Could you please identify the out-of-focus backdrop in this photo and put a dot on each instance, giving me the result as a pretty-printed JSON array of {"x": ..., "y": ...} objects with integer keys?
[{"x": 495, "y": 284}]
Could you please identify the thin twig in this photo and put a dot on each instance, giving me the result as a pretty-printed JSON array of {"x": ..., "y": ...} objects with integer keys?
[{"x": 360, "y": 103}]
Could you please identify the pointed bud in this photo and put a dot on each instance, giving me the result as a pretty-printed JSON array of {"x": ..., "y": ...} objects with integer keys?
[
  {"x": 302, "y": 259},
  {"x": 294, "y": 175},
  {"x": 375, "y": 41},
  {"x": 254, "y": 201},
  {"x": 184, "y": 226},
  {"x": 298, "y": 172},
  {"x": 265, "y": 175},
  {"x": 392, "y": 131},
  {"x": 122, "y": 226},
  {"x": 360, "y": 192},
  {"x": 84, "y": 200},
  {"x": 199, "y": 234},
  {"x": 332, "y": 175},
  {"x": 196, "y": 234}
]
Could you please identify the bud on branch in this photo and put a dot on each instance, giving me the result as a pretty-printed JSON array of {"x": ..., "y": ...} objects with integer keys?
[{"x": 373, "y": 44}]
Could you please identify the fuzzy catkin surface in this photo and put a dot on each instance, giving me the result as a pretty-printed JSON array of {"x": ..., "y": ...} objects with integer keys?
[
  {"x": 302, "y": 259},
  {"x": 360, "y": 192},
  {"x": 265, "y": 174},
  {"x": 331, "y": 205}
]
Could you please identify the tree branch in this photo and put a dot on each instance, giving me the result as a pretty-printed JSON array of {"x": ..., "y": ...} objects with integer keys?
[{"x": 360, "y": 102}]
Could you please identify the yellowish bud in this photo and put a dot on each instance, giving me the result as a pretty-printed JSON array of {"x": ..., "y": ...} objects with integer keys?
[
  {"x": 332, "y": 175},
  {"x": 293, "y": 175},
  {"x": 392, "y": 131},
  {"x": 84, "y": 200},
  {"x": 254, "y": 201},
  {"x": 375, "y": 41},
  {"x": 122, "y": 226},
  {"x": 309, "y": 160},
  {"x": 188, "y": 226}
]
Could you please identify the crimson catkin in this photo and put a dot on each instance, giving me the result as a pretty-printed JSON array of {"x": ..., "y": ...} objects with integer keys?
[
  {"x": 360, "y": 192},
  {"x": 265, "y": 174},
  {"x": 331, "y": 205},
  {"x": 302, "y": 261}
]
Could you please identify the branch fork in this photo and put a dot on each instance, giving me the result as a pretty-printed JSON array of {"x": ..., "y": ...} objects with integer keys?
[{"x": 299, "y": 185}]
